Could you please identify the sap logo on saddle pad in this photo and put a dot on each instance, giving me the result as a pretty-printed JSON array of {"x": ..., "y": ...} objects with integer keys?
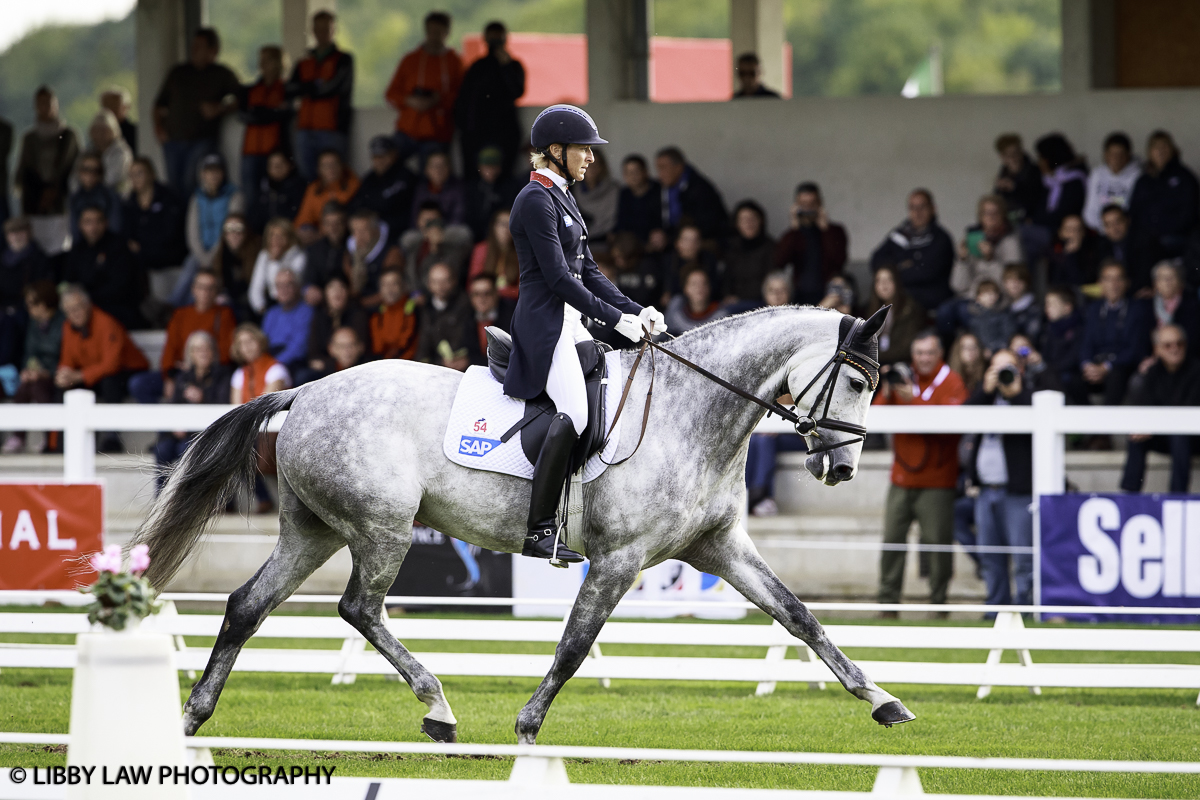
[{"x": 475, "y": 446}]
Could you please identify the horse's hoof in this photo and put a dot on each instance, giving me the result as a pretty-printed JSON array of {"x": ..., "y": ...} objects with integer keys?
[
  {"x": 892, "y": 713},
  {"x": 441, "y": 732}
]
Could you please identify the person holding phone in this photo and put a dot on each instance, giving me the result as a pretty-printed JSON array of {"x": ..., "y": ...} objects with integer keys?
[{"x": 987, "y": 247}]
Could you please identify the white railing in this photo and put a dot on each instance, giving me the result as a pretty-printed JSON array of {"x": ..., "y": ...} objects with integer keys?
[
  {"x": 536, "y": 766},
  {"x": 1007, "y": 633},
  {"x": 1048, "y": 420}
]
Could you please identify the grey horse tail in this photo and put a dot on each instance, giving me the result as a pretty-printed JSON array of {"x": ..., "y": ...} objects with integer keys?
[{"x": 220, "y": 462}]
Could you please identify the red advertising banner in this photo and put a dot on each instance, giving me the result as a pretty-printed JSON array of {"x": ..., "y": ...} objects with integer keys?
[{"x": 46, "y": 531}]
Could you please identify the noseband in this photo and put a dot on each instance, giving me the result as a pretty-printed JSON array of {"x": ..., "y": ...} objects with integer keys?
[
  {"x": 808, "y": 427},
  {"x": 805, "y": 426}
]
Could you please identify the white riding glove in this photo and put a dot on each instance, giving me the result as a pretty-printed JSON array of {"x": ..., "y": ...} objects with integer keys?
[
  {"x": 653, "y": 320},
  {"x": 630, "y": 327}
]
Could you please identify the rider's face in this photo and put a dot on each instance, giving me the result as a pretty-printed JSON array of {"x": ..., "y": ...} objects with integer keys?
[{"x": 579, "y": 158}]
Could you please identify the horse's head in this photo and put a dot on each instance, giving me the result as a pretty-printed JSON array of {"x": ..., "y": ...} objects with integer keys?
[{"x": 832, "y": 395}]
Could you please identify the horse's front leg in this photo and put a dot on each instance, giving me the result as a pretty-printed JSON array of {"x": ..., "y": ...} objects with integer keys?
[
  {"x": 608, "y": 578},
  {"x": 734, "y": 558}
]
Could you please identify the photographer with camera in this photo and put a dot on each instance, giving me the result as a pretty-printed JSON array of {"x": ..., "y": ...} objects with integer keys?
[
  {"x": 814, "y": 247},
  {"x": 924, "y": 469},
  {"x": 1001, "y": 478}
]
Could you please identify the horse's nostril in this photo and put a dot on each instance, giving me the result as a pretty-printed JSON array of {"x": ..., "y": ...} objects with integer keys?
[{"x": 842, "y": 472}]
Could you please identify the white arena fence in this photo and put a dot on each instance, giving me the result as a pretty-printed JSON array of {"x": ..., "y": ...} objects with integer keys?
[
  {"x": 539, "y": 772},
  {"x": 1048, "y": 420},
  {"x": 353, "y": 658}
]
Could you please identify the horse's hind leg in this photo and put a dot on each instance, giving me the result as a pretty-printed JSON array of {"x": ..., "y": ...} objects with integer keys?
[
  {"x": 734, "y": 558},
  {"x": 305, "y": 543},
  {"x": 608, "y": 578},
  {"x": 377, "y": 557}
]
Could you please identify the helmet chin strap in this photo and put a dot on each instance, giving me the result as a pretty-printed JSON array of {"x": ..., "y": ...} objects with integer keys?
[{"x": 560, "y": 164}]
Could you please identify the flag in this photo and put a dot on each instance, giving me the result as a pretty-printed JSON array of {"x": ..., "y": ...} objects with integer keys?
[{"x": 926, "y": 79}]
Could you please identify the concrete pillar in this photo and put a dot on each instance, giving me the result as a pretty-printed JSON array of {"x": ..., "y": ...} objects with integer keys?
[
  {"x": 297, "y": 24},
  {"x": 1088, "y": 44},
  {"x": 756, "y": 26},
  {"x": 618, "y": 34},
  {"x": 161, "y": 43}
]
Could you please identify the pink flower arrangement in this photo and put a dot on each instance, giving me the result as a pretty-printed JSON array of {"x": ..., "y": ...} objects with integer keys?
[
  {"x": 139, "y": 559},
  {"x": 109, "y": 559},
  {"x": 121, "y": 596}
]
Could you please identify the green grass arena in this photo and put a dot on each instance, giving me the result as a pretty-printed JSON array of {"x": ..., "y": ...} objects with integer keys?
[{"x": 1150, "y": 725}]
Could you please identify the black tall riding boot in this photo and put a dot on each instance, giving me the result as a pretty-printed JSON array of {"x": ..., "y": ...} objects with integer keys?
[{"x": 549, "y": 476}]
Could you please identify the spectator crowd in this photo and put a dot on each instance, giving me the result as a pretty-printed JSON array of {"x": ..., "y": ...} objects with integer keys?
[{"x": 289, "y": 266}]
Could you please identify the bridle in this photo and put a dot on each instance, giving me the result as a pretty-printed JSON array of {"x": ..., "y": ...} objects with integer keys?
[
  {"x": 806, "y": 426},
  {"x": 846, "y": 355}
]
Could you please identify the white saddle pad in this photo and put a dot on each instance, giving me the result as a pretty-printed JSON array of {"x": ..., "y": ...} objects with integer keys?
[{"x": 482, "y": 413}]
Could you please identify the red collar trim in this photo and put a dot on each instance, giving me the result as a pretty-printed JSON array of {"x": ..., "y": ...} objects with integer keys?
[{"x": 542, "y": 179}]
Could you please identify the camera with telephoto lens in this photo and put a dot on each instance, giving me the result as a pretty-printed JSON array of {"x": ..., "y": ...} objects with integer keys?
[
  {"x": 1007, "y": 375},
  {"x": 898, "y": 374}
]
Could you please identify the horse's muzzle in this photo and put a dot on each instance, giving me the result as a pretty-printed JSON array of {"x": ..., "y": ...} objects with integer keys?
[{"x": 829, "y": 473}]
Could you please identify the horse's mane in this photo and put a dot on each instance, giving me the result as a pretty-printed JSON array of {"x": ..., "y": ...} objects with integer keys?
[{"x": 688, "y": 335}]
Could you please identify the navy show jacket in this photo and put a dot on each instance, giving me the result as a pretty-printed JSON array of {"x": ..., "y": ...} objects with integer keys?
[{"x": 557, "y": 268}]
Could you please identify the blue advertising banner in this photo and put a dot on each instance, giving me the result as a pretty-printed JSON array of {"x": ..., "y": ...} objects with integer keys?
[{"x": 1121, "y": 550}]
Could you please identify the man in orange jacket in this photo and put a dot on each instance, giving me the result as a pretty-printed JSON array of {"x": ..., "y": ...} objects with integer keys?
[
  {"x": 424, "y": 89},
  {"x": 97, "y": 354},
  {"x": 203, "y": 315},
  {"x": 924, "y": 470},
  {"x": 324, "y": 82}
]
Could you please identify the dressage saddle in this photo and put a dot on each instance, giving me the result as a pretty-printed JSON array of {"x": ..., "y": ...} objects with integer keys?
[{"x": 540, "y": 410}]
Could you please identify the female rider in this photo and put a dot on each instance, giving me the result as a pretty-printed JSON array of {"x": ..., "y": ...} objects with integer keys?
[{"x": 559, "y": 283}]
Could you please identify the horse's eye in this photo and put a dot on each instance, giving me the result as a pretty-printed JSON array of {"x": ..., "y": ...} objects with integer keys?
[{"x": 857, "y": 384}]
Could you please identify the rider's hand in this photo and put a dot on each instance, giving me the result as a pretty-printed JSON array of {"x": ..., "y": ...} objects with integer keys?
[
  {"x": 653, "y": 320},
  {"x": 630, "y": 327}
]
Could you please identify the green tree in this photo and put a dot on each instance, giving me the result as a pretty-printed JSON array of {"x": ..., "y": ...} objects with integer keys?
[
  {"x": 856, "y": 47},
  {"x": 77, "y": 61}
]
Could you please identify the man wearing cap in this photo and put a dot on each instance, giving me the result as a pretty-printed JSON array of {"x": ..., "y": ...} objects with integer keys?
[
  {"x": 559, "y": 283},
  {"x": 492, "y": 190},
  {"x": 387, "y": 188}
]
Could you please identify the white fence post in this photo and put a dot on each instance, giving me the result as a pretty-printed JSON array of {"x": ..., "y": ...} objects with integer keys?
[
  {"x": 79, "y": 440},
  {"x": 539, "y": 771},
  {"x": 897, "y": 782},
  {"x": 1049, "y": 468}
]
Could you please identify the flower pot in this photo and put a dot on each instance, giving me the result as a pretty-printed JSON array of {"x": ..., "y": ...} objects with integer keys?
[{"x": 125, "y": 712}]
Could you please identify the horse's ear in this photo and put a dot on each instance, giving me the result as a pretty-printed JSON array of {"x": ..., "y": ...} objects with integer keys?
[{"x": 872, "y": 326}]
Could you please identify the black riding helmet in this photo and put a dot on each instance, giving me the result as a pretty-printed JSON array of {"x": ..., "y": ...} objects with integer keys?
[{"x": 563, "y": 124}]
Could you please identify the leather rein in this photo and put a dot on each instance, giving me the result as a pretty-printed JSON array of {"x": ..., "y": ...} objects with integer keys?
[{"x": 806, "y": 426}]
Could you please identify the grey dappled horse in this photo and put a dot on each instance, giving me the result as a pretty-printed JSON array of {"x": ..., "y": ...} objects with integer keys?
[{"x": 360, "y": 457}]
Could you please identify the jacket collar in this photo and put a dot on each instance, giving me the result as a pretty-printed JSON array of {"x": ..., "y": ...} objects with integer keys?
[{"x": 549, "y": 178}]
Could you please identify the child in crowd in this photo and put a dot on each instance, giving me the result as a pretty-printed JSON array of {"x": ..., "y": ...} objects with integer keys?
[
  {"x": 966, "y": 358},
  {"x": 1022, "y": 302},
  {"x": 988, "y": 320},
  {"x": 1061, "y": 337}
]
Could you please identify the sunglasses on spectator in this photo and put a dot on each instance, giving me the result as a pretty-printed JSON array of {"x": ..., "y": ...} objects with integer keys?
[
  {"x": 235, "y": 228},
  {"x": 1170, "y": 343}
]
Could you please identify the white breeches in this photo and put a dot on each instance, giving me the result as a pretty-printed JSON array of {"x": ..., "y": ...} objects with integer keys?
[{"x": 564, "y": 384}]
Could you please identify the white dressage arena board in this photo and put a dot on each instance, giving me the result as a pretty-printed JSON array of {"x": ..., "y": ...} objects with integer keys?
[{"x": 482, "y": 413}]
